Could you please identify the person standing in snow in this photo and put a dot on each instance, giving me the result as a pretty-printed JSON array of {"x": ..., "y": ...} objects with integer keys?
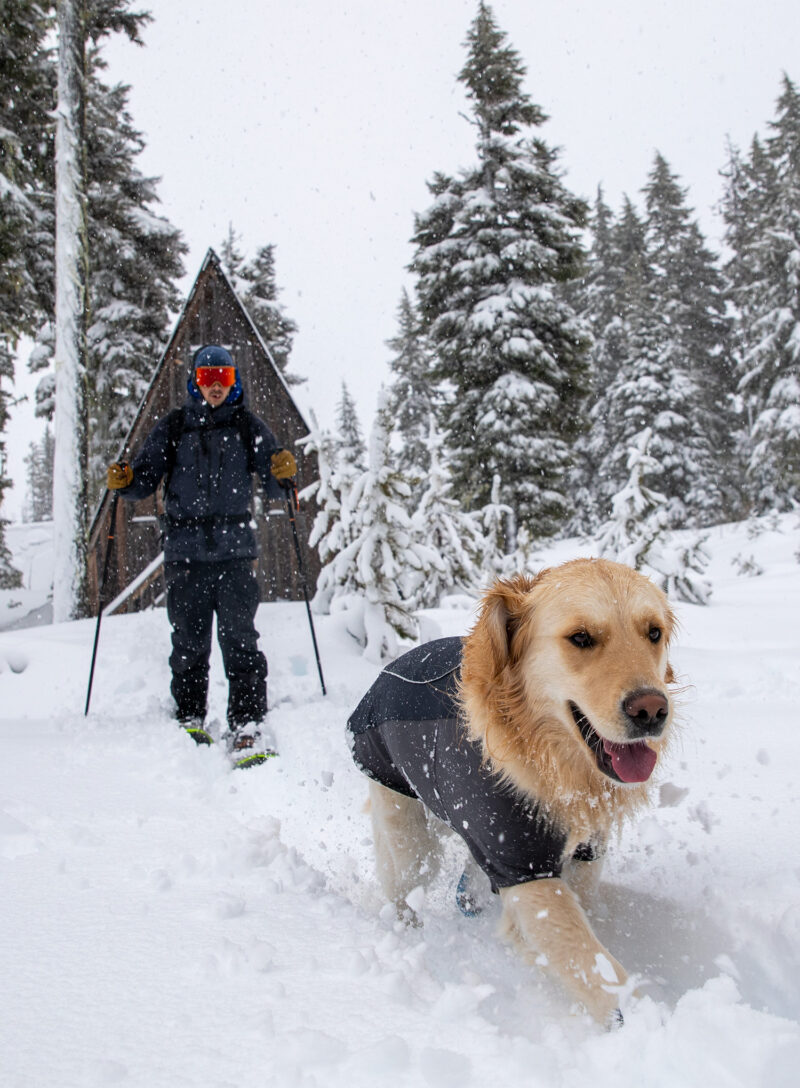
[{"x": 206, "y": 452}]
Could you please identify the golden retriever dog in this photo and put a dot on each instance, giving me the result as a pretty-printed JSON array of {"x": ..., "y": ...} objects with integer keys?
[{"x": 533, "y": 738}]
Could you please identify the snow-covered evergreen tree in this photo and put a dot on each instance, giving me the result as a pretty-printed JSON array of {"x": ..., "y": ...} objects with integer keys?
[
  {"x": 135, "y": 265},
  {"x": 27, "y": 97},
  {"x": 232, "y": 258},
  {"x": 689, "y": 295},
  {"x": 383, "y": 559},
  {"x": 87, "y": 216},
  {"x": 652, "y": 387},
  {"x": 524, "y": 559},
  {"x": 496, "y": 524},
  {"x": 637, "y": 516},
  {"x": 260, "y": 295},
  {"x": 39, "y": 464},
  {"x": 348, "y": 438},
  {"x": 748, "y": 193},
  {"x": 26, "y": 90},
  {"x": 341, "y": 479},
  {"x": 635, "y": 389},
  {"x": 330, "y": 533},
  {"x": 601, "y": 298},
  {"x": 492, "y": 255},
  {"x": 637, "y": 531},
  {"x": 448, "y": 540},
  {"x": 255, "y": 283},
  {"x": 413, "y": 396},
  {"x": 661, "y": 359},
  {"x": 762, "y": 212},
  {"x": 135, "y": 258}
]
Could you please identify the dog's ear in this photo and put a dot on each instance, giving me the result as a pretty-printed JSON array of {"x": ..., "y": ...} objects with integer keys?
[
  {"x": 669, "y": 675},
  {"x": 504, "y": 607}
]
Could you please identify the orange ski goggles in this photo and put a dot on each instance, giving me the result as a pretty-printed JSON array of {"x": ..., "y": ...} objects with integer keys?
[{"x": 207, "y": 375}]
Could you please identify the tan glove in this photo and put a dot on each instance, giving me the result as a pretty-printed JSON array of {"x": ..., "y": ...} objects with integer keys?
[
  {"x": 120, "y": 474},
  {"x": 283, "y": 465}
]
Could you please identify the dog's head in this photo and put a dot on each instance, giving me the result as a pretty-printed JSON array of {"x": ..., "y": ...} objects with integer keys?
[{"x": 575, "y": 663}]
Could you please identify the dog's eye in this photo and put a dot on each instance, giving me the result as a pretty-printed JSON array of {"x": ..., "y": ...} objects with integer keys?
[
  {"x": 582, "y": 639},
  {"x": 654, "y": 634}
]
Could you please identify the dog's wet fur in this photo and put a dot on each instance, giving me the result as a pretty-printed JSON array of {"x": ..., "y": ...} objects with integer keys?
[{"x": 567, "y": 687}]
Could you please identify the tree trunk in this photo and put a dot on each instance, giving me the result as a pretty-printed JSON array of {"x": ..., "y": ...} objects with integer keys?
[{"x": 70, "y": 515}]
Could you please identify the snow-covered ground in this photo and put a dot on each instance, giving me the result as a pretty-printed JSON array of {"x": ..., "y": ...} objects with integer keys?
[{"x": 167, "y": 922}]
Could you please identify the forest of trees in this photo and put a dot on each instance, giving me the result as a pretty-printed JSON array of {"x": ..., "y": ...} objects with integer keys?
[
  {"x": 560, "y": 366},
  {"x": 566, "y": 369}
]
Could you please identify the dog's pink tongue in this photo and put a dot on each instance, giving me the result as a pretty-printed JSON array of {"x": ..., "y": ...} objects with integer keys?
[{"x": 632, "y": 762}]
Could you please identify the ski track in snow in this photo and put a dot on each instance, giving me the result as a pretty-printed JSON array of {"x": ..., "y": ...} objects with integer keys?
[{"x": 166, "y": 922}]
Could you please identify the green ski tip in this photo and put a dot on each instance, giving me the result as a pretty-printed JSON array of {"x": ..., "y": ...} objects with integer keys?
[
  {"x": 198, "y": 735},
  {"x": 254, "y": 760}
]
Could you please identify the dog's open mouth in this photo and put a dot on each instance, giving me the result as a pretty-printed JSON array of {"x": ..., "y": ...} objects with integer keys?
[{"x": 632, "y": 762}]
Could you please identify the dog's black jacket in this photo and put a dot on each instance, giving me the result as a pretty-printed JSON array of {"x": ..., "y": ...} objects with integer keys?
[{"x": 406, "y": 733}]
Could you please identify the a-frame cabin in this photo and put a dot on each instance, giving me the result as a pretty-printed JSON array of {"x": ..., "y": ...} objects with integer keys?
[{"x": 212, "y": 314}]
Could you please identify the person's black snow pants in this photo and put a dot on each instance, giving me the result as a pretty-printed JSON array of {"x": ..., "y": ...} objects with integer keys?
[{"x": 195, "y": 591}]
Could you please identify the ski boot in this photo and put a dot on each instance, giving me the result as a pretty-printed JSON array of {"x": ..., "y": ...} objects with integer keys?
[
  {"x": 193, "y": 725},
  {"x": 247, "y": 747}
]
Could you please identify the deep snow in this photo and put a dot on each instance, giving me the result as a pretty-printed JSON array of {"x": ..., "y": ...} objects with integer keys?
[{"x": 167, "y": 922}]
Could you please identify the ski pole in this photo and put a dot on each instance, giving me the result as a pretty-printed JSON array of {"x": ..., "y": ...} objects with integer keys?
[
  {"x": 112, "y": 521},
  {"x": 291, "y": 505}
]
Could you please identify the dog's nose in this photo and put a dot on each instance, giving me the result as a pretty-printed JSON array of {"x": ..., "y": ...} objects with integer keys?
[{"x": 647, "y": 712}]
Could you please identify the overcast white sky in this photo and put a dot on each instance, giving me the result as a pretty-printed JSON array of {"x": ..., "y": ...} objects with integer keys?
[{"x": 314, "y": 126}]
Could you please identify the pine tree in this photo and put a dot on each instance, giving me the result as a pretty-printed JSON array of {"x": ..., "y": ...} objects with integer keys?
[
  {"x": 748, "y": 194},
  {"x": 656, "y": 353},
  {"x": 637, "y": 510},
  {"x": 348, "y": 440},
  {"x": 338, "y": 490},
  {"x": 135, "y": 259},
  {"x": 383, "y": 557},
  {"x": 448, "y": 540},
  {"x": 637, "y": 532},
  {"x": 26, "y": 100},
  {"x": 601, "y": 299},
  {"x": 232, "y": 258},
  {"x": 495, "y": 521},
  {"x": 260, "y": 296},
  {"x": 492, "y": 255},
  {"x": 136, "y": 263},
  {"x": 256, "y": 285},
  {"x": 330, "y": 534},
  {"x": 635, "y": 386},
  {"x": 39, "y": 463},
  {"x": 690, "y": 299},
  {"x": 413, "y": 396},
  {"x": 81, "y": 375},
  {"x": 762, "y": 212}
]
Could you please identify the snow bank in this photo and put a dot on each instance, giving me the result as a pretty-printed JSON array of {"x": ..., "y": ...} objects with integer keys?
[{"x": 166, "y": 922}]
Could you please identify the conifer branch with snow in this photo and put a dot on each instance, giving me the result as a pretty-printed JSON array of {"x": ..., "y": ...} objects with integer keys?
[{"x": 638, "y": 532}]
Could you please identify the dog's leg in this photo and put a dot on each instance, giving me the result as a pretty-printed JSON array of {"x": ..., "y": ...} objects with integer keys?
[
  {"x": 545, "y": 921},
  {"x": 583, "y": 876},
  {"x": 406, "y": 850}
]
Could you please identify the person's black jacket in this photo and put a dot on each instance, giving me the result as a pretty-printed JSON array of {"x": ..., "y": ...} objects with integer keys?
[{"x": 209, "y": 492}]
